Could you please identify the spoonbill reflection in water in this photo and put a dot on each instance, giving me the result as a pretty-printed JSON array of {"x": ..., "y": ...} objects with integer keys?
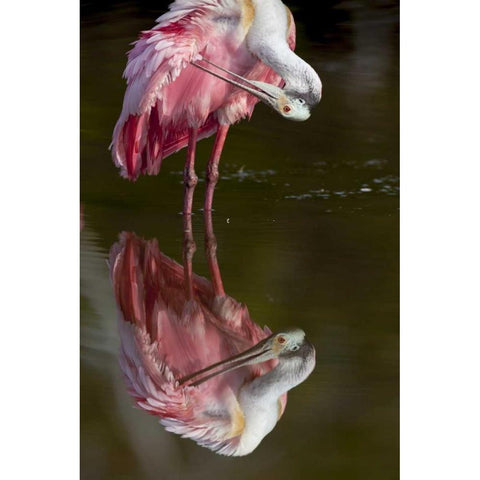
[
  {"x": 192, "y": 355},
  {"x": 202, "y": 68}
]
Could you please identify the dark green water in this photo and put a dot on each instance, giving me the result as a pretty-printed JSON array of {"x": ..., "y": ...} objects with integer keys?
[{"x": 306, "y": 218}]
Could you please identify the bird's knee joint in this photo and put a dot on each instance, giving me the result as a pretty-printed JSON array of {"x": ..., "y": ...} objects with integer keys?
[
  {"x": 211, "y": 247},
  {"x": 212, "y": 176},
  {"x": 190, "y": 179},
  {"x": 189, "y": 248}
]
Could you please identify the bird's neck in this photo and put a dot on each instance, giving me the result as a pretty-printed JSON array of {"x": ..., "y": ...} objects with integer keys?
[
  {"x": 269, "y": 387},
  {"x": 267, "y": 39},
  {"x": 261, "y": 408},
  {"x": 299, "y": 76}
]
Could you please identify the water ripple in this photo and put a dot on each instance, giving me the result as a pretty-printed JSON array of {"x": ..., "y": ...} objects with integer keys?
[{"x": 386, "y": 185}]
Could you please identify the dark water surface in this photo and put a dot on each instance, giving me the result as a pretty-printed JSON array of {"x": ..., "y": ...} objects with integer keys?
[{"x": 306, "y": 220}]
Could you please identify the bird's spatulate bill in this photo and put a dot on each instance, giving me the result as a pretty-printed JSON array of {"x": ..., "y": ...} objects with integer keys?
[
  {"x": 261, "y": 352},
  {"x": 251, "y": 83},
  {"x": 258, "y": 90}
]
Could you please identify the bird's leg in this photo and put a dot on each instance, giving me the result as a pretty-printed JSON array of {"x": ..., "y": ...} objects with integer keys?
[
  {"x": 211, "y": 254},
  {"x": 212, "y": 166},
  {"x": 190, "y": 178},
  {"x": 189, "y": 248}
]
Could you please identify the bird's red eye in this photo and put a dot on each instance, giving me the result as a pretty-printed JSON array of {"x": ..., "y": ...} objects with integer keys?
[
  {"x": 286, "y": 108},
  {"x": 281, "y": 339}
]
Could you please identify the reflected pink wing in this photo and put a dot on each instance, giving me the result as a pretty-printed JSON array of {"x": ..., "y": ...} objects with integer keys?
[
  {"x": 151, "y": 383},
  {"x": 142, "y": 277}
]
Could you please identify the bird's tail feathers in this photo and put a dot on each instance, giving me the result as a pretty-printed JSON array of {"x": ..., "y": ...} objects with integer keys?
[{"x": 140, "y": 143}]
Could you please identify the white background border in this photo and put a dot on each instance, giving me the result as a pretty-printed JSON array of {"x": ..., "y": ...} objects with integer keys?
[
  {"x": 39, "y": 353},
  {"x": 440, "y": 240}
]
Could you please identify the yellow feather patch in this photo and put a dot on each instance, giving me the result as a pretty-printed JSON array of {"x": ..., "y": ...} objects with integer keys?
[
  {"x": 237, "y": 422},
  {"x": 248, "y": 12},
  {"x": 279, "y": 409},
  {"x": 289, "y": 19}
]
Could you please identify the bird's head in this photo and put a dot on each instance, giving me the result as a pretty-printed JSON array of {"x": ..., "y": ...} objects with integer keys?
[
  {"x": 289, "y": 103},
  {"x": 293, "y": 351}
]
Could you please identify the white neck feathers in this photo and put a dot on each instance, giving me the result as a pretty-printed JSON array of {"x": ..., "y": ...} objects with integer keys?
[{"x": 267, "y": 39}]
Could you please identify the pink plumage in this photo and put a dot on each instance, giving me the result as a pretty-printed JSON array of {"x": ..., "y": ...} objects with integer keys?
[
  {"x": 167, "y": 96},
  {"x": 165, "y": 336}
]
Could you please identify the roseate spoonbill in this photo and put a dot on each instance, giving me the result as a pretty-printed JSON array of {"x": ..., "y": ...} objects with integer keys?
[
  {"x": 203, "y": 67},
  {"x": 191, "y": 354}
]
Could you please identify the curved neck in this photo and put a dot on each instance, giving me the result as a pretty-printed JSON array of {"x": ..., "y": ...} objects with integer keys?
[
  {"x": 267, "y": 40},
  {"x": 271, "y": 385},
  {"x": 299, "y": 76},
  {"x": 259, "y": 403}
]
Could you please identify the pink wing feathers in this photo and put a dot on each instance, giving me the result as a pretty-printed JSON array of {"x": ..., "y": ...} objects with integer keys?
[
  {"x": 164, "y": 338},
  {"x": 139, "y": 143}
]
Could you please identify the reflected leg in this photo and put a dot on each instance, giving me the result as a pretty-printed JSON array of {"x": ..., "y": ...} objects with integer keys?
[
  {"x": 190, "y": 178},
  {"x": 212, "y": 166},
  {"x": 189, "y": 248},
  {"x": 211, "y": 254}
]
